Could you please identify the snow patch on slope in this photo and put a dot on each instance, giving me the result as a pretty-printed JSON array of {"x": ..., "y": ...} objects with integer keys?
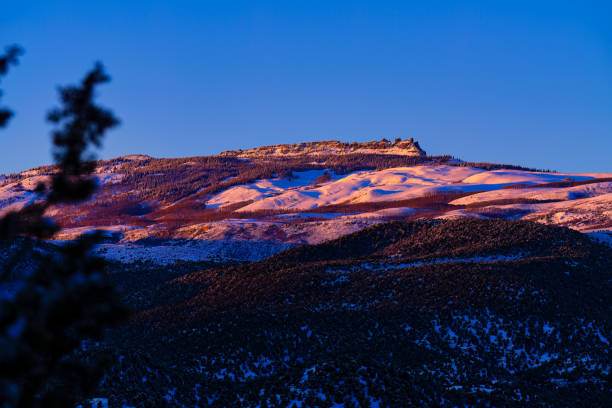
[
  {"x": 165, "y": 253},
  {"x": 567, "y": 193},
  {"x": 261, "y": 189}
]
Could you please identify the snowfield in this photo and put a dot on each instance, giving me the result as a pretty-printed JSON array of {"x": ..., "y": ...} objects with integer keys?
[
  {"x": 358, "y": 187},
  {"x": 392, "y": 185}
]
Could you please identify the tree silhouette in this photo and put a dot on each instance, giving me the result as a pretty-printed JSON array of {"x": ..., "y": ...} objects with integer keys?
[
  {"x": 67, "y": 299},
  {"x": 10, "y": 58}
]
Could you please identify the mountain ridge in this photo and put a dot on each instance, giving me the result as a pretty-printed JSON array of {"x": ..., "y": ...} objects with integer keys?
[
  {"x": 312, "y": 192},
  {"x": 408, "y": 147}
]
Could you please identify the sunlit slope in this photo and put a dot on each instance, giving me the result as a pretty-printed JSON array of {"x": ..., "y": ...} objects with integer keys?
[{"x": 274, "y": 196}]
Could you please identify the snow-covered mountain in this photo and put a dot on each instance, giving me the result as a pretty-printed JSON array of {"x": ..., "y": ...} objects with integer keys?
[
  {"x": 274, "y": 196},
  {"x": 309, "y": 297}
]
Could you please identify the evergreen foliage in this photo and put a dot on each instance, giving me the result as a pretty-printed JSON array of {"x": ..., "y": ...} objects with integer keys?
[{"x": 67, "y": 301}]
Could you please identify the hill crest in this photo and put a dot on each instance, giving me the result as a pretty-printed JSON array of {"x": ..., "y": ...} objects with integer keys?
[{"x": 408, "y": 147}]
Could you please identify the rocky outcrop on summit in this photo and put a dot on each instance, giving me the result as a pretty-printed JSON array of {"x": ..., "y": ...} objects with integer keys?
[{"x": 408, "y": 147}]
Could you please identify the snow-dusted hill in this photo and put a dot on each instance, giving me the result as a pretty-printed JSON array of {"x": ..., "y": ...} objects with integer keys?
[{"x": 308, "y": 193}]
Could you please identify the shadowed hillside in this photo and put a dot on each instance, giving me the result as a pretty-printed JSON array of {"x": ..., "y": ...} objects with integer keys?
[{"x": 419, "y": 313}]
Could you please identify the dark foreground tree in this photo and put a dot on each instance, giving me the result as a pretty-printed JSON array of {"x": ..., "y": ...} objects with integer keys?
[
  {"x": 67, "y": 301},
  {"x": 6, "y": 60}
]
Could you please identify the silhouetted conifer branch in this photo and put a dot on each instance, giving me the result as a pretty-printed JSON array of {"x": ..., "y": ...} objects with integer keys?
[{"x": 67, "y": 300}]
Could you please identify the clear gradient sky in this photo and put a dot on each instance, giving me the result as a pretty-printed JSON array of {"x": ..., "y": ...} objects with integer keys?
[{"x": 518, "y": 82}]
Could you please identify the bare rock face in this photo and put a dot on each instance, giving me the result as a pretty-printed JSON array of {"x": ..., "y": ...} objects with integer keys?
[{"x": 408, "y": 147}]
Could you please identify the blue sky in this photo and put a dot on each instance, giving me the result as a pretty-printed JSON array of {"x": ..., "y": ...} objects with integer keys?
[{"x": 516, "y": 82}]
